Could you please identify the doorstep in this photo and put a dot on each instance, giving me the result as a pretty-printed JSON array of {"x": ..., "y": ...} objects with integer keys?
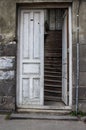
[{"x": 44, "y": 115}]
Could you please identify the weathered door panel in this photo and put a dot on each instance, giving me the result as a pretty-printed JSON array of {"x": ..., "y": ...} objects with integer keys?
[{"x": 31, "y": 59}]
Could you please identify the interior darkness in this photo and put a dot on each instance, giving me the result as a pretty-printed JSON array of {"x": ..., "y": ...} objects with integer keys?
[{"x": 53, "y": 56}]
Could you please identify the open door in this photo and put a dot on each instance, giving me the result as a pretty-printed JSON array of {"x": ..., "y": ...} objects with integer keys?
[
  {"x": 64, "y": 58},
  {"x": 31, "y": 58}
]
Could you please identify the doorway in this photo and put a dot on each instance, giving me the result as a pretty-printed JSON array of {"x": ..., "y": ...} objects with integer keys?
[
  {"x": 55, "y": 58},
  {"x": 43, "y": 59}
]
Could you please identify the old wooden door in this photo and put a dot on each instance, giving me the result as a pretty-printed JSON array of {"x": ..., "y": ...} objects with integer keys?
[
  {"x": 30, "y": 77},
  {"x": 64, "y": 59}
]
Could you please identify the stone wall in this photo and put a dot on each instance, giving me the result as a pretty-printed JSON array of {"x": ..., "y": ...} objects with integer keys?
[
  {"x": 8, "y": 37},
  {"x": 82, "y": 41},
  {"x": 7, "y": 75}
]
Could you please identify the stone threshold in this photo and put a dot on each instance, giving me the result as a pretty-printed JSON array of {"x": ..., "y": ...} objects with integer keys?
[{"x": 42, "y": 116}]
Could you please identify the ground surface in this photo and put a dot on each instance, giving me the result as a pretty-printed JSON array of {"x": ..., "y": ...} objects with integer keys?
[{"x": 40, "y": 124}]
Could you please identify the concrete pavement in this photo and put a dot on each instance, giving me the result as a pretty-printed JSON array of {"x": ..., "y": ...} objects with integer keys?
[{"x": 40, "y": 124}]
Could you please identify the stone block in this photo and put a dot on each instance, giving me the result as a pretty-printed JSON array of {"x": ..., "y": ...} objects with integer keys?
[
  {"x": 82, "y": 51},
  {"x": 82, "y": 93},
  {"x": 82, "y": 80},
  {"x": 8, "y": 49},
  {"x": 82, "y": 106},
  {"x": 7, "y": 75},
  {"x": 83, "y": 65},
  {"x": 82, "y": 37},
  {"x": 7, "y": 88},
  {"x": 7, "y": 103},
  {"x": 83, "y": 58},
  {"x": 7, "y": 63}
]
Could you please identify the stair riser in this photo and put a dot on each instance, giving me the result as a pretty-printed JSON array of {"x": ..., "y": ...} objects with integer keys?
[
  {"x": 53, "y": 78},
  {"x": 53, "y": 88},
  {"x": 54, "y": 83},
  {"x": 52, "y": 94}
]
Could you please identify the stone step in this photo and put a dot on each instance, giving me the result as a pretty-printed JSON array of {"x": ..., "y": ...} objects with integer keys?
[
  {"x": 53, "y": 95},
  {"x": 52, "y": 59},
  {"x": 45, "y": 115},
  {"x": 52, "y": 91},
  {"x": 55, "y": 81},
  {"x": 52, "y": 98},
  {"x": 57, "y": 66},
  {"x": 52, "y": 85},
  {"x": 52, "y": 56},
  {"x": 53, "y": 76},
  {"x": 49, "y": 68},
  {"x": 52, "y": 72}
]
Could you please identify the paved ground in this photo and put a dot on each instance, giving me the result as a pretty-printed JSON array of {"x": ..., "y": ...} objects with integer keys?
[{"x": 40, "y": 124}]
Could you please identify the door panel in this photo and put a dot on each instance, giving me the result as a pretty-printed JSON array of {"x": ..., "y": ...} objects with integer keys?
[
  {"x": 64, "y": 60},
  {"x": 26, "y": 33},
  {"x": 31, "y": 60},
  {"x": 36, "y": 52}
]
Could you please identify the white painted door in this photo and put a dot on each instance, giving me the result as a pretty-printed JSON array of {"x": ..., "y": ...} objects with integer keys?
[
  {"x": 64, "y": 59},
  {"x": 30, "y": 75}
]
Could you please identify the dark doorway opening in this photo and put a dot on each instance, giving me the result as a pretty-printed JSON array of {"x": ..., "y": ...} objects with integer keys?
[{"x": 53, "y": 56}]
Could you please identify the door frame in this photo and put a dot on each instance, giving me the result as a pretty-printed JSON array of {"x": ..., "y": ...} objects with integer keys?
[{"x": 70, "y": 56}]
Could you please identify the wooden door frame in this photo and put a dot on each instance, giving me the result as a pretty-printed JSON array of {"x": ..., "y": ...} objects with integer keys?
[{"x": 70, "y": 56}]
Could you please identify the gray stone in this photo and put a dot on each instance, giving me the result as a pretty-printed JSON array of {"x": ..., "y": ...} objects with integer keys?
[
  {"x": 83, "y": 119},
  {"x": 81, "y": 94},
  {"x": 7, "y": 103},
  {"x": 40, "y": 124},
  {"x": 7, "y": 62},
  {"x": 6, "y": 74},
  {"x": 41, "y": 116},
  {"x": 9, "y": 49},
  {"x": 7, "y": 88},
  {"x": 82, "y": 106},
  {"x": 83, "y": 58},
  {"x": 82, "y": 80}
]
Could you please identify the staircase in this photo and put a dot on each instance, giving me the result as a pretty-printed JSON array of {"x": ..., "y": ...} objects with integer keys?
[{"x": 53, "y": 66}]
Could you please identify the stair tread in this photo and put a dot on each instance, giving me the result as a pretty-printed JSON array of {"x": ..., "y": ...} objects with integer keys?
[
  {"x": 52, "y": 68},
  {"x": 52, "y": 91},
  {"x": 47, "y": 71},
  {"x": 54, "y": 61},
  {"x": 52, "y": 80},
  {"x": 52, "y": 98},
  {"x": 52, "y": 85},
  {"x": 53, "y": 76},
  {"x": 54, "y": 65}
]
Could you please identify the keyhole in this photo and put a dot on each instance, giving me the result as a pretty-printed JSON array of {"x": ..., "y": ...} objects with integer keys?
[{"x": 31, "y": 19}]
